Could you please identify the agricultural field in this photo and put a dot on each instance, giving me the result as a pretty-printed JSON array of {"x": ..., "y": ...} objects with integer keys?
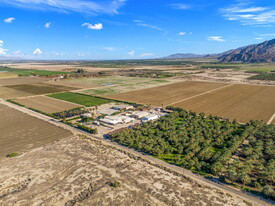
[
  {"x": 21, "y": 132},
  {"x": 77, "y": 171},
  {"x": 47, "y": 104},
  {"x": 81, "y": 99},
  {"x": 167, "y": 94},
  {"x": 240, "y": 102},
  {"x": 119, "y": 84},
  {"x": 4, "y": 75},
  {"x": 23, "y": 90},
  {"x": 30, "y": 72},
  {"x": 21, "y": 80},
  {"x": 78, "y": 85}
]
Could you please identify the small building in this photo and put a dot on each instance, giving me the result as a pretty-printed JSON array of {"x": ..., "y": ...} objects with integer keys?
[
  {"x": 112, "y": 120},
  {"x": 150, "y": 117},
  {"x": 86, "y": 115},
  {"x": 139, "y": 115},
  {"x": 122, "y": 107},
  {"x": 126, "y": 119}
]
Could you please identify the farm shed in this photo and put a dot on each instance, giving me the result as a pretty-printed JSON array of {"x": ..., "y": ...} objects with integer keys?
[
  {"x": 112, "y": 120},
  {"x": 150, "y": 117},
  {"x": 86, "y": 115},
  {"x": 122, "y": 107},
  {"x": 140, "y": 114}
]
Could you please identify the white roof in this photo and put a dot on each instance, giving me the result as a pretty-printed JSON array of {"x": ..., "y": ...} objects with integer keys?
[
  {"x": 151, "y": 116},
  {"x": 141, "y": 113}
]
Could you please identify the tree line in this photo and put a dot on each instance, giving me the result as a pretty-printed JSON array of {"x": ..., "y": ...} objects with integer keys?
[{"x": 242, "y": 154}]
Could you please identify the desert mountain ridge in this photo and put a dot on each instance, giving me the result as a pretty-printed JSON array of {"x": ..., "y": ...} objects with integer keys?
[{"x": 263, "y": 52}]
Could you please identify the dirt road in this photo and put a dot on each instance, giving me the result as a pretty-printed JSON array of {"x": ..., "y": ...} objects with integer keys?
[{"x": 229, "y": 190}]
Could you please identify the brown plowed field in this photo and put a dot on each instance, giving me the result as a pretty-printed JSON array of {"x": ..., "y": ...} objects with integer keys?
[
  {"x": 167, "y": 94},
  {"x": 21, "y": 80},
  {"x": 24, "y": 90},
  {"x": 47, "y": 104},
  {"x": 241, "y": 102},
  {"x": 21, "y": 132}
]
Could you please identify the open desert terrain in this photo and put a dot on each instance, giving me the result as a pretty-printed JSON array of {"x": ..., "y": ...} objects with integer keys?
[{"x": 75, "y": 171}]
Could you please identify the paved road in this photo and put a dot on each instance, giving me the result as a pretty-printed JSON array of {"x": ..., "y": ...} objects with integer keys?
[{"x": 225, "y": 188}]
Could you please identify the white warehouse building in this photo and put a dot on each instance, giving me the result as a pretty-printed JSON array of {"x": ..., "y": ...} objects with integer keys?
[{"x": 150, "y": 117}]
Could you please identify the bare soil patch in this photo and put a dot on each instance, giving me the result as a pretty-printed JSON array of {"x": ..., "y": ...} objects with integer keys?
[
  {"x": 21, "y": 80},
  {"x": 167, "y": 94},
  {"x": 21, "y": 132},
  {"x": 241, "y": 102},
  {"x": 40, "y": 88},
  {"x": 47, "y": 104},
  {"x": 78, "y": 172}
]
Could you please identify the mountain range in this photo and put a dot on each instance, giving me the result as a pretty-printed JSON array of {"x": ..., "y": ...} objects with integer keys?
[{"x": 263, "y": 52}]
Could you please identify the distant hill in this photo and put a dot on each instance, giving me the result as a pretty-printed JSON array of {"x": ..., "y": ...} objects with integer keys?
[
  {"x": 183, "y": 56},
  {"x": 263, "y": 52}
]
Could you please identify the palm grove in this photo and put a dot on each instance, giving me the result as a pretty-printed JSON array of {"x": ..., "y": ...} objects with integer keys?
[{"x": 242, "y": 154}]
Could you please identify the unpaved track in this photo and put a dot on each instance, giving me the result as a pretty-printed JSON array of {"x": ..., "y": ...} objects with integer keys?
[{"x": 229, "y": 190}]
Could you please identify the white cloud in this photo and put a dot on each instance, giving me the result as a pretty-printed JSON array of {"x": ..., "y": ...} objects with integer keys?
[
  {"x": 132, "y": 53},
  {"x": 9, "y": 20},
  {"x": 48, "y": 25},
  {"x": 17, "y": 53},
  {"x": 37, "y": 52},
  {"x": 2, "y": 50},
  {"x": 109, "y": 48},
  {"x": 247, "y": 14},
  {"x": 146, "y": 54},
  {"x": 182, "y": 33},
  {"x": 98, "y": 26},
  {"x": 143, "y": 24},
  {"x": 267, "y": 35},
  {"x": 180, "y": 6},
  {"x": 259, "y": 38},
  {"x": 81, "y": 6},
  {"x": 215, "y": 38}
]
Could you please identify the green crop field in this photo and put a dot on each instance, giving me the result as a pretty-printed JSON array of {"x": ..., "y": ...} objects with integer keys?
[
  {"x": 82, "y": 99},
  {"x": 29, "y": 72}
]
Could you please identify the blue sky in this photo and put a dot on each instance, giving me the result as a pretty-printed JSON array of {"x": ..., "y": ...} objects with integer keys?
[{"x": 130, "y": 29}]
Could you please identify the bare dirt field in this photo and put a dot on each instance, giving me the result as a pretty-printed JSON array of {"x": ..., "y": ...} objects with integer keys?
[
  {"x": 167, "y": 94},
  {"x": 23, "y": 90},
  {"x": 76, "y": 171},
  {"x": 21, "y": 80},
  {"x": 47, "y": 104},
  {"x": 20, "y": 132},
  {"x": 241, "y": 102}
]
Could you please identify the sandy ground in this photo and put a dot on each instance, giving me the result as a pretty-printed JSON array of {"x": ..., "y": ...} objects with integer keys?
[{"x": 76, "y": 171}]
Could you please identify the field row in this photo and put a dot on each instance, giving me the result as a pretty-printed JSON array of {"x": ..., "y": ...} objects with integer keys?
[
  {"x": 240, "y": 102},
  {"x": 21, "y": 132}
]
